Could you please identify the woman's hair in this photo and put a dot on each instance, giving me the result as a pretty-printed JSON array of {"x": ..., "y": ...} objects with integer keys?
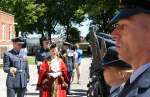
[{"x": 53, "y": 45}]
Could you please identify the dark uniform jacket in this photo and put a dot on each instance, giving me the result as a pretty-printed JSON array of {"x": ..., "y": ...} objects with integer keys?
[
  {"x": 42, "y": 54},
  {"x": 13, "y": 59}
]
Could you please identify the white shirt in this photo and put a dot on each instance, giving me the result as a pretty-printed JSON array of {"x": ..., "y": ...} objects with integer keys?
[
  {"x": 23, "y": 52},
  {"x": 55, "y": 65}
]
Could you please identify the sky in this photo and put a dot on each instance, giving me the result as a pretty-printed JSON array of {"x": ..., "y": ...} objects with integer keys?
[{"x": 83, "y": 27}]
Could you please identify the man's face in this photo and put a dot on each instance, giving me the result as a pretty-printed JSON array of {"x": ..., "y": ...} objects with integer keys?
[
  {"x": 65, "y": 47},
  {"x": 46, "y": 44},
  {"x": 17, "y": 46},
  {"x": 131, "y": 38}
]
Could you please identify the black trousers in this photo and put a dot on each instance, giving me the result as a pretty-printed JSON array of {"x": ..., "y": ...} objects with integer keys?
[{"x": 20, "y": 92}]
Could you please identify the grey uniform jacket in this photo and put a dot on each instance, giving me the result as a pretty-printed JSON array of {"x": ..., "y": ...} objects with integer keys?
[
  {"x": 141, "y": 88},
  {"x": 13, "y": 59},
  {"x": 115, "y": 91}
]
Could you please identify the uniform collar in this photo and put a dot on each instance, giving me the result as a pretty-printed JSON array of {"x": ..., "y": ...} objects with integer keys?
[
  {"x": 139, "y": 72},
  {"x": 15, "y": 51}
]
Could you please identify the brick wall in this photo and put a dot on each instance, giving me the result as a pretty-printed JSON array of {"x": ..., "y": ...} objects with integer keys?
[{"x": 7, "y": 32}]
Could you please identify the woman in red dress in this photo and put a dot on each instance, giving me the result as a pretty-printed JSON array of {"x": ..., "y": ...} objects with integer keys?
[{"x": 53, "y": 77}]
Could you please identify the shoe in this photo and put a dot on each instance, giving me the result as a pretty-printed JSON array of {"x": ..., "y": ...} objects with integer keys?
[{"x": 78, "y": 82}]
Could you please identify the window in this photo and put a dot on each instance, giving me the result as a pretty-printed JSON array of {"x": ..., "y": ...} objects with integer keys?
[
  {"x": 3, "y": 31},
  {"x": 10, "y": 31}
]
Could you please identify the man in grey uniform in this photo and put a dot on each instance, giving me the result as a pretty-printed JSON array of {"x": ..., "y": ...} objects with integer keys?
[
  {"x": 132, "y": 35},
  {"x": 116, "y": 72},
  {"x": 17, "y": 70}
]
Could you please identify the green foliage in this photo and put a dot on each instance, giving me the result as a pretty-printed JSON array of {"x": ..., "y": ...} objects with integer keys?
[
  {"x": 101, "y": 12},
  {"x": 42, "y": 16},
  {"x": 74, "y": 35},
  {"x": 79, "y": 14},
  {"x": 31, "y": 60},
  {"x": 26, "y": 13},
  {"x": 6, "y": 5},
  {"x": 62, "y": 12}
]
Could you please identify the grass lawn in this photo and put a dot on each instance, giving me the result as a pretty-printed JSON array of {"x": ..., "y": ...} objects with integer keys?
[
  {"x": 31, "y": 60},
  {"x": 1, "y": 62}
]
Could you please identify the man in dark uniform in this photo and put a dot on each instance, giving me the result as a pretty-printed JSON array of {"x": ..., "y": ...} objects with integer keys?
[
  {"x": 132, "y": 35},
  {"x": 116, "y": 72},
  {"x": 17, "y": 70},
  {"x": 68, "y": 61},
  {"x": 63, "y": 52},
  {"x": 43, "y": 52}
]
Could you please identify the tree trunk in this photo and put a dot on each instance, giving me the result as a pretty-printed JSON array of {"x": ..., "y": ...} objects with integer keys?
[
  {"x": 17, "y": 34},
  {"x": 67, "y": 32},
  {"x": 42, "y": 33},
  {"x": 49, "y": 35}
]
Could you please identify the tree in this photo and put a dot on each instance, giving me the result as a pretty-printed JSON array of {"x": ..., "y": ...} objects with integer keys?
[
  {"x": 62, "y": 12},
  {"x": 42, "y": 16},
  {"x": 101, "y": 12},
  {"x": 26, "y": 13},
  {"x": 74, "y": 35},
  {"x": 71, "y": 11}
]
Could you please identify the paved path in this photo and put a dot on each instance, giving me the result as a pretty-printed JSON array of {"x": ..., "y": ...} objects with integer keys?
[{"x": 78, "y": 90}]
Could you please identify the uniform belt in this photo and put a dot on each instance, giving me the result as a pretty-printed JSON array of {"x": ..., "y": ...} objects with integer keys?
[{"x": 20, "y": 71}]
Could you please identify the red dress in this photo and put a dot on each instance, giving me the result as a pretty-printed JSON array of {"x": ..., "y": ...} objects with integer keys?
[{"x": 52, "y": 87}]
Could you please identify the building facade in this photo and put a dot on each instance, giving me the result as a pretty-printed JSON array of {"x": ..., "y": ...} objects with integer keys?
[{"x": 7, "y": 32}]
